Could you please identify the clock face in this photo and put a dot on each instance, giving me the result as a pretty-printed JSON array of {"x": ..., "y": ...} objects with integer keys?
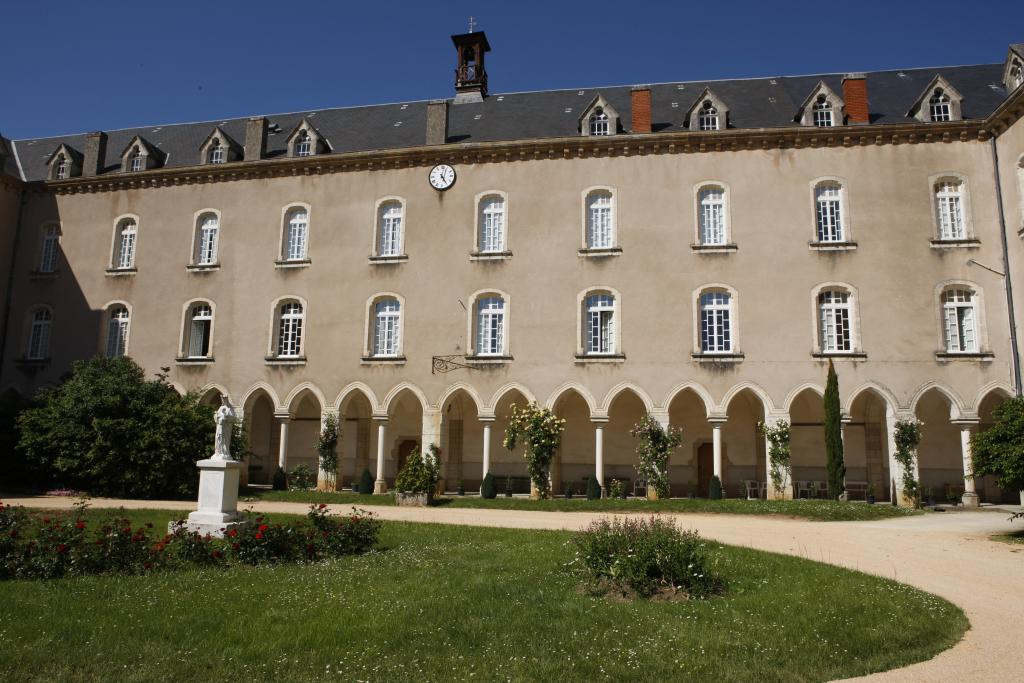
[{"x": 442, "y": 177}]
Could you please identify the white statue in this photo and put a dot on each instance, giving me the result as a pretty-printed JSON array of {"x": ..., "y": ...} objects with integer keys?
[{"x": 225, "y": 419}]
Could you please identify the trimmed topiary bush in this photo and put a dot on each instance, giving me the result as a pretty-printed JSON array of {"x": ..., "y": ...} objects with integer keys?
[
  {"x": 366, "y": 483},
  {"x": 593, "y": 489},
  {"x": 419, "y": 474},
  {"x": 489, "y": 490},
  {"x": 715, "y": 488},
  {"x": 280, "y": 482},
  {"x": 302, "y": 478}
]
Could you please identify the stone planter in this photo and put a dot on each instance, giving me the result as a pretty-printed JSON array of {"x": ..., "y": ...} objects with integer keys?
[
  {"x": 414, "y": 499},
  {"x": 652, "y": 493}
]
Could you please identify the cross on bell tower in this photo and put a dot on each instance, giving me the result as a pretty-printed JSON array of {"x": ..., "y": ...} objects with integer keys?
[{"x": 470, "y": 75}]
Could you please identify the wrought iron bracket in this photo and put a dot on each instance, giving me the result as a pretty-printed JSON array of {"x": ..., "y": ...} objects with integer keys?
[{"x": 443, "y": 364}]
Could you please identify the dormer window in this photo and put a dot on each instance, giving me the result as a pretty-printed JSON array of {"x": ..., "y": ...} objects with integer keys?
[
  {"x": 598, "y": 118},
  {"x": 599, "y": 122},
  {"x": 303, "y": 145},
  {"x": 216, "y": 153},
  {"x": 136, "y": 162},
  {"x": 822, "y": 112},
  {"x": 61, "y": 170},
  {"x": 939, "y": 108},
  {"x": 64, "y": 163},
  {"x": 707, "y": 119},
  {"x": 306, "y": 141},
  {"x": 1016, "y": 77}
]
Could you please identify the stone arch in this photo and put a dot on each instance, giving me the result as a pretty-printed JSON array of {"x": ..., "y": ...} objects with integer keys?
[
  {"x": 703, "y": 394},
  {"x": 259, "y": 404},
  {"x": 264, "y": 387},
  {"x": 390, "y": 397},
  {"x": 956, "y": 405},
  {"x": 787, "y": 405},
  {"x": 296, "y": 395},
  {"x": 572, "y": 386},
  {"x": 461, "y": 437},
  {"x": 887, "y": 397},
  {"x": 505, "y": 389},
  {"x": 995, "y": 387},
  {"x": 621, "y": 387},
  {"x": 453, "y": 389},
  {"x": 352, "y": 388},
  {"x": 211, "y": 394},
  {"x": 767, "y": 405}
]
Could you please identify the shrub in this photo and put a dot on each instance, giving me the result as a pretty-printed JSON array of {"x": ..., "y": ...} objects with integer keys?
[
  {"x": 617, "y": 489},
  {"x": 593, "y": 489},
  {"x": 366, "y": 483},
  {"x": 907, "y": 436},
  {"x": 280, "y": 482},
  {"x": 834, "y": 463},
  {"x": 109, "y": 431},
  {"x": 569, "y": 491},
  {"x": 327, "y": 450},
  {"x": 715, "y": 488},
  {"x": 999, "y": 450},
  {"x": 419, "y": 474},
  {"x": 488, "y": 489},
  {"x": 780, "y": 467},
  {"x": 54, "y": 545},
  {"x": 643, "y": 557},
  {"x": 302, "y": 478},
  {"x": 540, "y": 432},
  {"x": 654, "y": 445}
]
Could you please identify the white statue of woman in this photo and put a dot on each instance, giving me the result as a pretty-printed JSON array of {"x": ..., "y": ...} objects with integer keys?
[{"x": 225, "y": 419}]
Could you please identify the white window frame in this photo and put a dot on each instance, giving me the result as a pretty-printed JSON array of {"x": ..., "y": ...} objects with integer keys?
[
  {"x": 818, "y": 197},
  {"x": 289, "y": 331},
  {"x": 585, "y": 310},
  {"x": 206, "y": 238},
  {"x": 960, "y": 320},
  {"x": 828, "y": 314},
  {"x": 395, "y": 208},
  {"x": 938, "y": 192},
  {"x": 49, "y": 248},
  {"x": 370, "y": 328},
  {"x": 702, "y": 202},
  {"x": 288, "y": 215},
  {"x": 590, "y": 196},
  {"x": 708, "y": 118},
  {"x": 125, "y": 248},
  {"x": 487, "y": 216},
  {"x": 303, "y": 143},
  {"x": 822, "y": 112},
  {"x": 40, "y": 333},
  {"x": 1016, "y": 77},
  {"x": 191, "y": 314},
  {"x": 476, "y": 316},
  {"x": 216, "y": 153},
  {"x": 136, "y": 160},
  {"x": 61, "y": 167},
  {"x": 116, "y": 342},
  {"x": 387, "y": 328},
  {"x": 722, "y": 319},
  {"x": 599, "y": 122},
  {"x": 977, "y": 304},
  {"x": 940, "y": 105}
]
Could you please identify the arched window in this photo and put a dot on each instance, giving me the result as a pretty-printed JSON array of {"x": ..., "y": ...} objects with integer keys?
[
  {"x": 707, "y": 117},
  {"x": 492, "y": 224},
  {"x": 38, "y": 346},
  {"x": 49, "y": 249},
  {"x": 296, "y": 238},
  {"x": 939, "y": 108},
  {"x": 387, "y": 318},
  {"x": 303, "y": 145},
  {"x": 949, "y": 209},
  {"x": 835, "y": 321},
  {"x": 960, "y": 317},
  {"x": 207, "y": 238},
  {"x": 124, "y": 244},
  {"x": 822, "y": 111},
  {"x": 490, "y": 326},
  {"x": 715, "y": 322},
  {"x": 829, "y": 212},
  {"x": 60, "y": 171},
  {"x": 389, "y": 228},
  {"x": 600, "y": 220},
  {"x": 118, "y": 321},
  {"x": 289, "y": 329},
  {"x": 216, "y": 154},
  {"x": 599, "y": 324},
  {"x": 599, "y": 123},
  {"x": 136, "y": 162},
  {"x": 712, "y": 215},
  {"x": 199, "y": 330}
]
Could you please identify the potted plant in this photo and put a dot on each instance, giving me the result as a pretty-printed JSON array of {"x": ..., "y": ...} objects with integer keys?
[
  {"x": 869, "y": 495},
  {"x": 616, "y": 489},
  {"x": 415, "y": 483}
]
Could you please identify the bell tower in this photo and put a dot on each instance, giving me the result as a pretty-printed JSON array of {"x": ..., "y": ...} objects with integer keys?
[{"x": 470, "y": 75}]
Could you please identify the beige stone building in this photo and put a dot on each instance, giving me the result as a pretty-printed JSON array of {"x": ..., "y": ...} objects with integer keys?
[{"x": 698, "y": 251}]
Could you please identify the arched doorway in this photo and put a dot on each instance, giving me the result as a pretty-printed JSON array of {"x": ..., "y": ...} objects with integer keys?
[
  {"x": 508, "y": 467},
  {"x": 940, "y": 461},
  {"x": 865, "y": 446},
  {"x": 575, "y": 457},
  {"x": 986, "y": 487},
  {"x": 807, "y": 443},
  {"x": 358, "y": 438},
  {"x": 262, "y": 437},
  {"x": 462, "y": 438},
  {"x": 743, "y": 449},
  {"x": 626, "y": 410},
  {"x": 403, "y": 434},
  {"x": 687, "y": 412},
  {"x": 304, "y": 414}
]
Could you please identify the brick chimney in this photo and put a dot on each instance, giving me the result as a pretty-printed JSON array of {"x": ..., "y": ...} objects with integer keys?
[
  {"x": 255, "y": 138},
  {"x": 437, "y": 122},
  {"x": 855, "y": 94},
  {"x": 641, "y": 105},
  {"x": 95, "y": 153}
]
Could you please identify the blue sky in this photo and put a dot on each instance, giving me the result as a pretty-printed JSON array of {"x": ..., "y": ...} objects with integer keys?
[{"x": 80, "y": 66}]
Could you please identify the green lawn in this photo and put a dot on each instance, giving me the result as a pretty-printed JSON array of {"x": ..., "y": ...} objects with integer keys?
[
  {"x": 826, "y": 510},
  {"x": 443, "y": 602},
  {"x": 1014, "y": 537}
]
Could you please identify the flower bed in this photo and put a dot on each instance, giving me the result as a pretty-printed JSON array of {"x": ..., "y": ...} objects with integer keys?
[{"x": 54, "y": 545}]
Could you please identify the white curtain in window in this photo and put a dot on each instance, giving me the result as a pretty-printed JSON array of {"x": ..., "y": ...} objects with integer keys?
[
  {"x": 712, "y": 216},
  {"x": 289, "y": 338},
  {"x": 834, "y": 322},
  {"x": 208, "y": 233},
  {"x": 490, "y": 326},
  {"x": 600, "y": 228},
  {"x": 492, "y": 224},
  {"x": 199, "y": 332},
  {"x": 39, "y": 335},
  {"x": 386, "y": 325},
  {"x": 390, "y": 229},
  {"x": 117, "y": 332},
  {"x": 126, "y": 245},
  {"x": 715, "y": 323},
  {"x": 600, "y": 323},
  {"x": 829, "y": 212},
  {"x": 298, "y": 229},
  {"x": 949, "y": 200},
  {"x": 958, "y": 311}
]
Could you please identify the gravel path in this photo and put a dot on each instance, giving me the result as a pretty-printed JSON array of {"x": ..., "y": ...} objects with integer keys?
[{"x": 948, "y": 554}]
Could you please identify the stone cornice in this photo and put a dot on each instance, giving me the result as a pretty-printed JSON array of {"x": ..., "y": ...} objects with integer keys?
[{"x": 576, "y": 147}]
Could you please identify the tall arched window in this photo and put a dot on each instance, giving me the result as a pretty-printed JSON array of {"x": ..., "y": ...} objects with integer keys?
[
  {"x": 387, "y": 318},
  {"x": 715, "y": 322},
  {"x": 822, "y": 111},
  {"x": 49, "y": 249},
  {"x": 707, "y": 117},
  {"x": 492, "y": 224},
  {"x": 829, "y": 212},
  {"x": 207, "y": 239},
  {"x": 490, "y": 326},
  {"x": 216, "y": 155},
  {"x": 599, "y": 123},
  {"x": 199, "y": 330},
  {"x": 960, "y": 317},
  {"x": 125, "y": 243},
  {"x": 136, "y": 162},
  {"x": 835, "y": 321},
  {"x": 118, "y": 321},
  {"x": 389, "y": 228},
  {"x": 599, "y": 324},
  {"x": 712, "y": 215},
  {"x": 296, "y": 239},
  {"x": 303, "y": 145},
  {"x": 949, "y": 209},
  {"x": 60, "y": 171},
  {"x": 289, "y": 329},
  {"x": 38, "y": 346},
  {"x": 600, "y": 220},
  {"x": 939, "y": 108}
]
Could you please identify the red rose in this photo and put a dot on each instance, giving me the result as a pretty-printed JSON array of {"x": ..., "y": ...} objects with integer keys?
[
  {"x": 259, "y": 519},
  {"x": 80, "y": 524},
  {"x": 215, "y": 553},
  {"x": 62, "y": 548},
  {"x": 259, "y": 535},
  {"x": 323, "y": 505},
  {"x": 233, "y": 533},
  {"x": 263, "y": 527}
]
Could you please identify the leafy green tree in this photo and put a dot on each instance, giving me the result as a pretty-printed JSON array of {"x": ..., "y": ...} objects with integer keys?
[
  {"x": 654, "y": 445},
  {"x": 715, "y": 488},
  {"x": 834, "y": 436},
  {"x": 366, "y": 482},
  {"x": 419, "y": 474},
  {"x": 780, "y": 467},
  {"x": 999, "y": 450},
  {"x": 110, "y": 431},
  {"x": 540, "y": 432},
  {"x": 907, "y": 436},
  {"x": 327, "y": 449}
]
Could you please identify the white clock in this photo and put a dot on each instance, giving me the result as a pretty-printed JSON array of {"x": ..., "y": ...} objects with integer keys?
[{"x": 442, "y": 177}]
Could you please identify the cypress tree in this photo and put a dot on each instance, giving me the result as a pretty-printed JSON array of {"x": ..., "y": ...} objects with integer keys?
[
  {"x": 833, "y": 436},
  {"x": 715, "y": 488},
  {"x": 593, "y": 489},
  {"x": 488, "y": 489},
  {"x": 366, "y": 482}
]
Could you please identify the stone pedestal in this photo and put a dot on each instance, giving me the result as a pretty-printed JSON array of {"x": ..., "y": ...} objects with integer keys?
[
  {"x": 970, "y": 500},
  {"x": 218, "y": 497}
]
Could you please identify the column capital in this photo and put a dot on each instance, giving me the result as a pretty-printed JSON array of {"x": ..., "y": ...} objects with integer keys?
[
  {"x": 599, "y": 420},
  {"x": 285, "y": 415},
  {"x": 486, "y": 417},
  {"x": 776, "y": 416},
  {"x": 379, "y": 417},
  {"x": 718, "y": 420},
  {"x": 966, "y": 421}
]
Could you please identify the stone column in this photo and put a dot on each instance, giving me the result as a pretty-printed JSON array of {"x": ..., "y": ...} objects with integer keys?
[
  {"x": 487, "y": 422},
  {"x": 599, "y": 454},
  {"x": 243, "y": 476},
  {"x": 283, "y": 419},
  {"x": 716, "y": 444},
  {"x": 843, "y": 421},
  {"x": 970, "y": 498},
  {"x": 379, "y": 486}
]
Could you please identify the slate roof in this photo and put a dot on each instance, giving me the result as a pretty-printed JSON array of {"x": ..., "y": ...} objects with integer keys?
[{"x": 753, "y": 103}]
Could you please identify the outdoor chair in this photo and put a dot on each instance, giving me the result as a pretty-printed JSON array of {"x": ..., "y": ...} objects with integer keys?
[
  {"x": 803, "y": 489},
  {"x": 750, "y": 488},
  {"x": 820, "y": 489}
]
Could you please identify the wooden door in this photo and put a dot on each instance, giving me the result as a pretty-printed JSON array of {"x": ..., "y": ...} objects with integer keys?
[{"x": 705, "y": 468}]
